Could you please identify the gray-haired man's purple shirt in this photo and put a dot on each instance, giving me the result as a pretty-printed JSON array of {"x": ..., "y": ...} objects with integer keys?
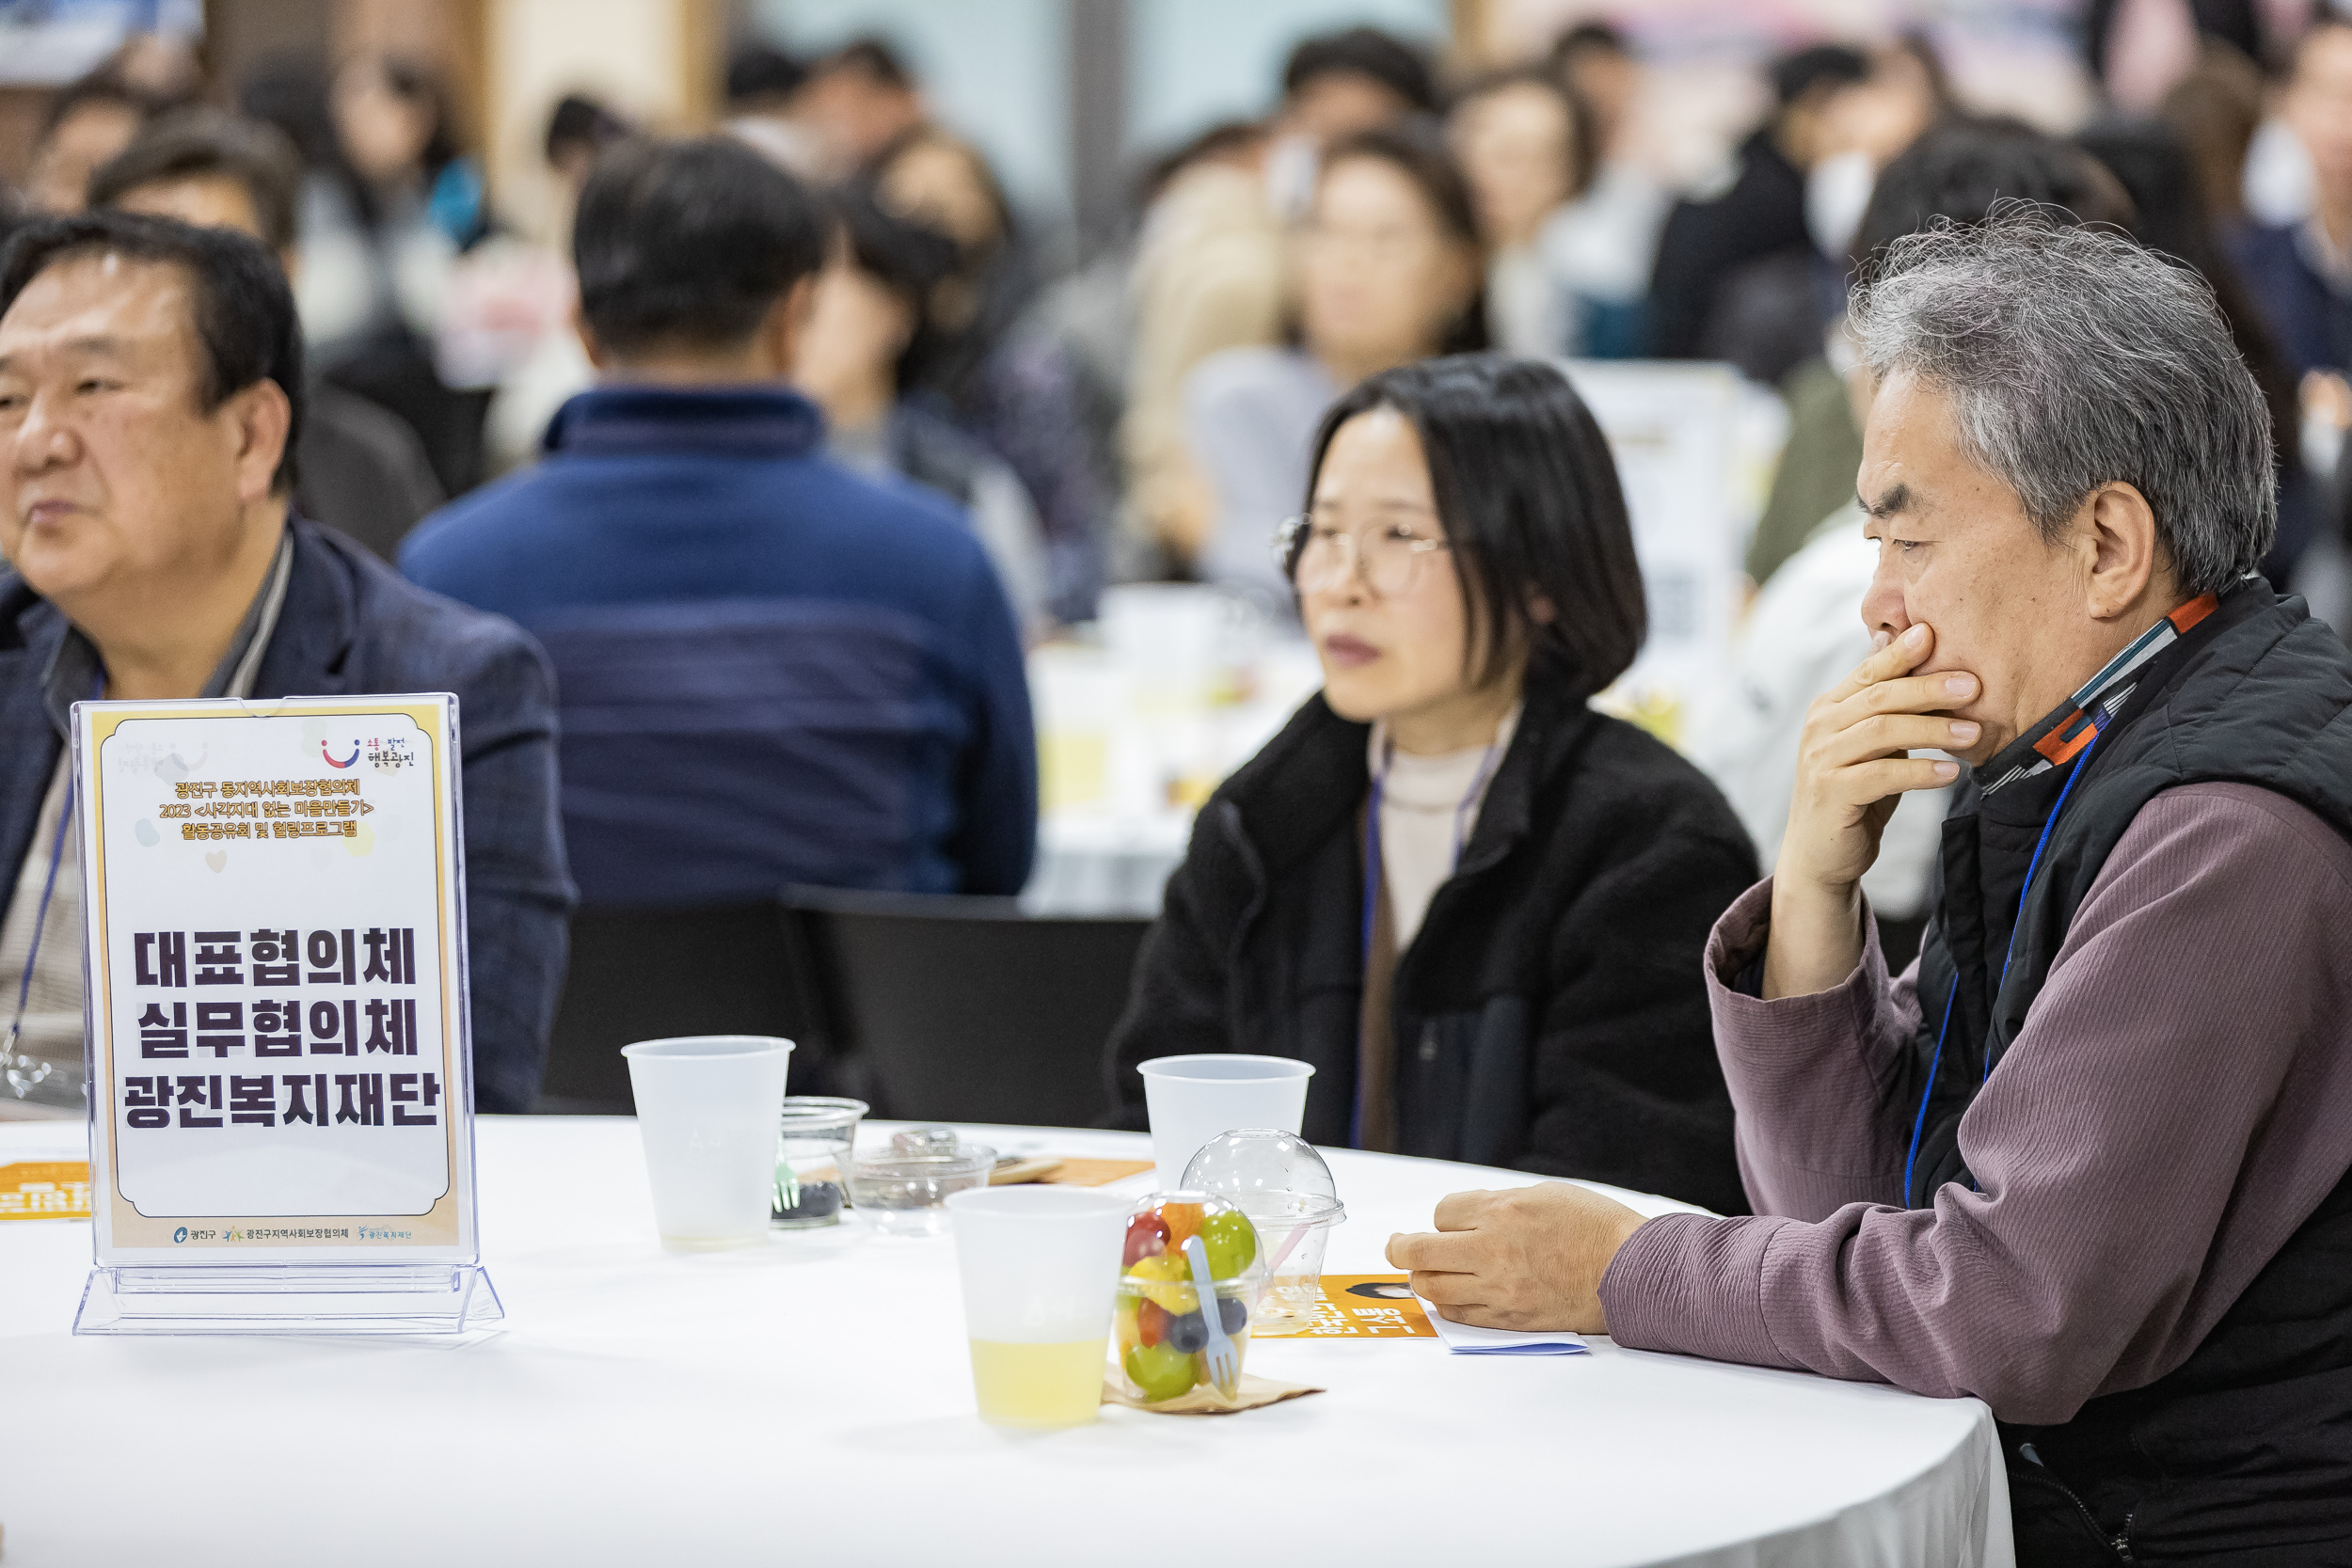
[{"x": 2178, "y": 1102}]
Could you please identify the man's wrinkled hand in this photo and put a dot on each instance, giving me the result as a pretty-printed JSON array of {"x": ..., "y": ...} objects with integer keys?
[
  {"x": 1855, "y": 760},
  {"x": 1526, "y": 1257}
]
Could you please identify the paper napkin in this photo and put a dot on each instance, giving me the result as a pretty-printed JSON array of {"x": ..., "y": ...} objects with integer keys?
[
  {"x": 1463, "y": 1340},
  {"x": 1255, "y": 1392}
]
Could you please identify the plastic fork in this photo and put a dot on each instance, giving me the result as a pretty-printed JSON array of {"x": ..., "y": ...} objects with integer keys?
[{"x": 1223, "y": 1359}]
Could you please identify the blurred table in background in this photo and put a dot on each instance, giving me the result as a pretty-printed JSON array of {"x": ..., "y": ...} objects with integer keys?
[{"x": 1135, "y": 731}]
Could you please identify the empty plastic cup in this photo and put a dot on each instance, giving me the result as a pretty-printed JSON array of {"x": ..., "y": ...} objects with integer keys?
[
  {"x": 707, "y": 1108},
  {"x": 1286, "y": 1188},
  {"x": 1040, "y": 1268},
  {"x": 1192, "y": 1099}
]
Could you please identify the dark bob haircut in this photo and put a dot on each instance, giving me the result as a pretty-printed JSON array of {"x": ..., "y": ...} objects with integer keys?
[
  {"x": 688, "y": 243},
  {"x": 1532, "y": 511},
  {"x": 202, "y": 143},
  {"x": 244, "y": 323}
]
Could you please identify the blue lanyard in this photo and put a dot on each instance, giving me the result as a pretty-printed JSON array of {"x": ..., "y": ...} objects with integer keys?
[
  {"x": 1918, "y": 1123},
  {"x": 40, "y": 916},
  {"x": 41, "y": 921},
  {"x": 1372, "y": 886}
]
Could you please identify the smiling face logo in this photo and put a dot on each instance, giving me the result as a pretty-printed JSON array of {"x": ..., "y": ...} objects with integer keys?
[{"x": 330, "y": 758}]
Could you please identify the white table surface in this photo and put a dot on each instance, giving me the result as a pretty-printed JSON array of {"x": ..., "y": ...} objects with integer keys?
[{"x": 808, "y": 1401}]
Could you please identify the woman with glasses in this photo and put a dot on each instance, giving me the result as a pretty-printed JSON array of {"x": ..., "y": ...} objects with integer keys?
[
  {"x": 1387, "y": 270},
  {"x": 1475, "y": 904}
]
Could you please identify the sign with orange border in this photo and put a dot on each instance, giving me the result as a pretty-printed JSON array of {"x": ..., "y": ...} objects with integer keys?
[{"x": 276, "y": 1031}]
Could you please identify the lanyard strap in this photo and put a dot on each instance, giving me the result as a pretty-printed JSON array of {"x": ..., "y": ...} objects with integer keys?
[
  {"x": 8, "y": 1057},
  {"x": 1373, "y": 874},
  {"x": 1919, "y": 1122},
  {"x": 41, "y": 922}
]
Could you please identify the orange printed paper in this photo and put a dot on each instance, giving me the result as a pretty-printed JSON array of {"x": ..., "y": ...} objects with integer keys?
[
  {"x": 45, "y": 1190},
  {"x": 1368, "y": 1307}
]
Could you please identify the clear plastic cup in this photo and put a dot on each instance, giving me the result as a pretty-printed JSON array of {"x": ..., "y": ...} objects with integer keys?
[
  {"x": 812, "y": 1160},
  {"x": 1285, "y": 1186},
  {"x": 1040, "y": 1268},
  {"x": 706, "y": 1109},
  {"x": 1193, "y": 1098}
]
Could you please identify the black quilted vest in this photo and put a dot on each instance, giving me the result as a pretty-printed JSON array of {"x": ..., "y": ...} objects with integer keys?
[{"x": 2244, "y": 1452}]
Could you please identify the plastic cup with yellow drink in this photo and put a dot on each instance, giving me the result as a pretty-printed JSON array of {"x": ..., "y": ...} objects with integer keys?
[{"x": 1040, "y": 1268}]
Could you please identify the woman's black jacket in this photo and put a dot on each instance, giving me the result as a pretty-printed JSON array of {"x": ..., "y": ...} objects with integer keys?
[{"x": 1550, "y": 1015}]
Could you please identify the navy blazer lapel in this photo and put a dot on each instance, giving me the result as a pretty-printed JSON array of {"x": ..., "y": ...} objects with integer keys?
[
  {"x": 310, "y": 655},
  {"x": 30, "y": 632}
]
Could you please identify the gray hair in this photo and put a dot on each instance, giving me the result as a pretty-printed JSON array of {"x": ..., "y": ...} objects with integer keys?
[{"x": 2073, "y": 358}]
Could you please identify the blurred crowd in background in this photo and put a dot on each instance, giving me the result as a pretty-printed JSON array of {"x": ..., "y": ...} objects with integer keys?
[{"x": 1137, "y": 408}]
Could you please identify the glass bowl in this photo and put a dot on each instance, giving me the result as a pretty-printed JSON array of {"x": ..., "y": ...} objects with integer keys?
[{"x": 903, "y": 1189}]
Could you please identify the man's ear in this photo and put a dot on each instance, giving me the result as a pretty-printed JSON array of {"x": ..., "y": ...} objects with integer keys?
[
  {"x": 786, "y": 323},
  {"x": 597, "y": 354},
  {"x": 258, "y": 419},
  {"x": 2117, "y": 535}
]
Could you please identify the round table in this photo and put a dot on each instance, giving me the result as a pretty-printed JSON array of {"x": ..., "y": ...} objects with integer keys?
[{"x": 809, "y": 1401}]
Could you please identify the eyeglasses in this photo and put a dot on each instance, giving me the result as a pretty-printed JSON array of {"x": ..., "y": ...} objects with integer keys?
[{"x": 1317, "y": 555}]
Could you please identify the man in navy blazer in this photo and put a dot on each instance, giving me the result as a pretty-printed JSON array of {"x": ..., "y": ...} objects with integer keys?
[{"x": 151, "y": 379}]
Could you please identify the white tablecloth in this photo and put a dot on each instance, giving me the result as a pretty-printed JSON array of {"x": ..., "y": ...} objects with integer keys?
[{"x": 808, "y": 1403}]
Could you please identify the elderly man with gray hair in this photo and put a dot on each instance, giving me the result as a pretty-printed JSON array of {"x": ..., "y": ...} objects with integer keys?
[{"x": 2085, "y": 1158}]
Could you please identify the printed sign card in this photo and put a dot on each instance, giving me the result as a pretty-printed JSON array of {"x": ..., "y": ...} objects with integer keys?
[{"x": 278, "y": 1013}]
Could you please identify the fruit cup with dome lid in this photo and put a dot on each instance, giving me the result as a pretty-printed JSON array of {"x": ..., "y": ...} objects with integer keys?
[{"x": 1161, "y": 1329}]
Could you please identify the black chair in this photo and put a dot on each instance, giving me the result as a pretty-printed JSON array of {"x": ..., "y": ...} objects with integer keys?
[
  {"x": 964, "y": 1009},
  {"x": 640, "y": 975}
]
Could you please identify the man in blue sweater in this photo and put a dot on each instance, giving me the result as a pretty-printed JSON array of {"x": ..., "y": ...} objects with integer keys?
[{"x": 771, "y": 670}]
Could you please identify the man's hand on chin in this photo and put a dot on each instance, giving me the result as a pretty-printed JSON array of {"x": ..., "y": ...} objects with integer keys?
[{"x": 1528, "y": 1258}]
